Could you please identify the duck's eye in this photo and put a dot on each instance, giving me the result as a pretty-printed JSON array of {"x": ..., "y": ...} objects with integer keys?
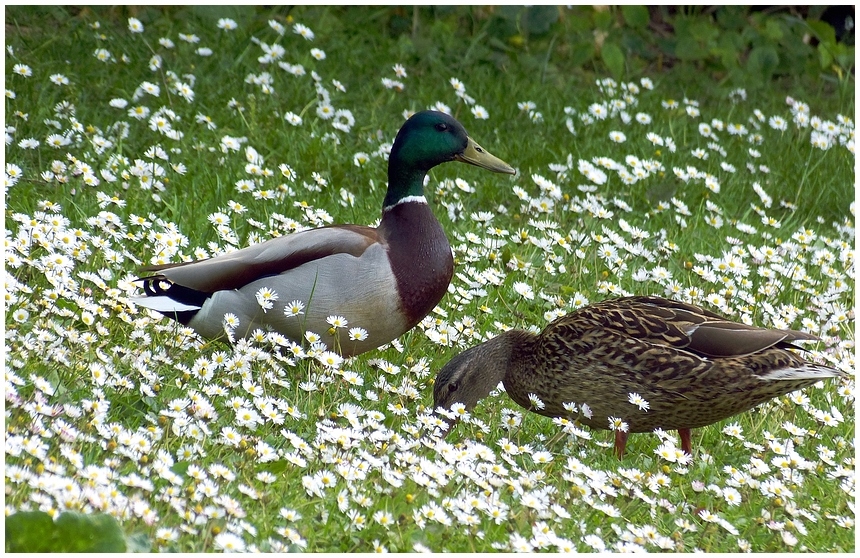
[
  {"x": 441, "y": 127},
  {"x": 452, "y": 387}
]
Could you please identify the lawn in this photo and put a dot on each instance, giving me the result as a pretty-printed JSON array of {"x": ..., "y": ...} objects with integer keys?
[{"x": 145, "y": 137}]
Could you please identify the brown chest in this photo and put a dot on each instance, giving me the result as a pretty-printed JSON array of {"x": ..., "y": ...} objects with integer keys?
[{"x": 420, "y": 257}]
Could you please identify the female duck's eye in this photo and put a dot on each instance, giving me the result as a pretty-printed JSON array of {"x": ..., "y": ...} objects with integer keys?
[
  {"x": 441, "y": 127},
  {"x": 452, "y": 387}
]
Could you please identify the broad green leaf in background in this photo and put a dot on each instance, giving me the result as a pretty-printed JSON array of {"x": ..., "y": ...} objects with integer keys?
[
  {"x": 635, "y": 16},
  {"x": 71, "y": 532},
  {"x": 762, "y": 61},
  {"x": 613, "y": 58}
]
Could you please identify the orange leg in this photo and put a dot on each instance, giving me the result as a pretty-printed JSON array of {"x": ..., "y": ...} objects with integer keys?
[
  {"x": 686, "y": 440},
  {"x": 620, "y": 443}
]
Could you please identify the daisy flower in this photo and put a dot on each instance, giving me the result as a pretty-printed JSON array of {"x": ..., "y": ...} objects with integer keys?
[
  {"x": 102, "y": 54},
  {"x": 266, "y": 298},
  {"x": 150, "y": 88},
  {"x": 59, "y": 79},
  {"x": 617, "y": 137},
  {"x": 228, "y": 542},
  {"x": 293, "y": 118},
  {"x": 134, "y": 25},
  {"x": 277, "y": 27},
  {"x": 667, "y": 451},
  {"x": 357, "y": 334},
  {"x": 330, "y": 359},
  {"x": 524, "y": 290},
  {"x": 20, "y": 315},
  {"x": 360, "y": 159},
  {"x": 227, "y": 24},
  {"x": 536, "y": 402},
  {"x": 598, "y": 111},
  {"x": 22, "y": 70},
  {"x": 638, "y": 400},
  {"x": 336, "y": 321},
  {"x": 480, "y": 112},
  {"x": 778, "y": 123},
  {"x": 325, "y": 111},
  {"x": 294, "y": 308},
  {"x": 392, "y": 84},
  {"x": 732, "y": 496},
  {"x": 616, "y": 423},
  {"x": 304, "y": 31}
]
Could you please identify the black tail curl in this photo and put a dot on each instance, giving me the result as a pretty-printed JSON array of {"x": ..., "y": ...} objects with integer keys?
[{"x": 158, "y": 285}]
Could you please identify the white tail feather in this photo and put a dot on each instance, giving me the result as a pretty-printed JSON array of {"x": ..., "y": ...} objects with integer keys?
[
  {"x": 811, "y": 372},
  {"x": 162, "y": 304}
]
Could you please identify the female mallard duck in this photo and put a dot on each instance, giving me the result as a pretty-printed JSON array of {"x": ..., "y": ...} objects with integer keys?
[
  {"x": 383, "y": 279},
  {"x": 692, "y": 366}
]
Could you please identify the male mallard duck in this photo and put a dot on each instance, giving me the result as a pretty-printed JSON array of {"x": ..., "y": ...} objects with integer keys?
[
  {"x": 692, "y": 366},
  {"x": 383, "y": 279}
]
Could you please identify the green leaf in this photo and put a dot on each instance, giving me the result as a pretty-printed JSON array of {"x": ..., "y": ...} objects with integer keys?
[
  {"x": 729, "y": 46},
  {"x": 636, "y": 16},
  {"x": 581, "y": 52},
  {"x": 181, "y": 467},
  {"x": 71, "y": 532},
  {"x": 138, "y": 542},
  {"x": 704, "y": 31},
  {"x": 276, "y": 467},
  {"x": 580, "y": 19},
  {"x": 815, "y": 12},
  {"x": 844, "y": 55},
  {"x": 537, "y": 20},
  {"x": 824, "y": 56},
  {"x": 773, "y": 29},
  {"x": 89, "y": 533},
  {"x": 661, "y": 191},
  {"x": 732, "y": 17},
  {"x": 687, "y": 48},
  {"x": 28, "y": 532},
  {"x": 763, "y": 61},
  {"x": 499, "y": 47},
  {"x": 634, "y": 45},
  {"x": 613, "y": 58},
  {"x": 507, "y": 255},
  {"x": 603, "y": 20},
  {"x": 824, "y": 31},
  {"x": 508, "y": 12}
]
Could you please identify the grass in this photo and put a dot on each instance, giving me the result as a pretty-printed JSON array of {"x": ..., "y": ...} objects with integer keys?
[{"x": 110, "y": 408}]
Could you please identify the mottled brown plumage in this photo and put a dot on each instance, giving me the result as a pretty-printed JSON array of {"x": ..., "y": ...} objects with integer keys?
[{"x": 692, "y": 366}]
